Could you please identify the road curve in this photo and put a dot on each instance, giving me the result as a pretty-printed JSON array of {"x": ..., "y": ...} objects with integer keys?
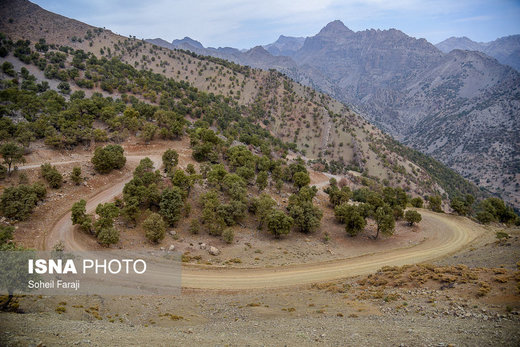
[
  {"x": 446, "y": 234},
  {"x": 62, "y": 229}
]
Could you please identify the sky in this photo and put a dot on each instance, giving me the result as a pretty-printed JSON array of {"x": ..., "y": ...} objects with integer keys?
[{"x": 248, "y": 23}]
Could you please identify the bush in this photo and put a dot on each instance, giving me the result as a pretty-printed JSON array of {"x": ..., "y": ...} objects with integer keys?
[
  {"x": 75, "y": 176},
  {"x": 417, "y": 202},
  {"x": 301, "y": 179},
  {"x": 79, "y": 215},
  {"x": 412, "y": 217},
  {"x": 228, "y": 235},
  {"x": 171, "y": 205},
  {"x": 352, "y": 216},
  {"x": 108, "y": 158},
  {"x": 155, "y": 227},
  {"x": 435, "y": 203},
  {"x": 6, "y": 233},
  {"x": 278, "y": 223},
  {"x": 194, "y": 226},
  {"x": 18, "y": 202},
  {"x": 170, "y": 159},
  {"x": 51, "y": 175}
]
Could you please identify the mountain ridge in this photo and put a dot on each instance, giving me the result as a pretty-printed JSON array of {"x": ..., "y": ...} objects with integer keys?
[{"x": 387, "y": 76}]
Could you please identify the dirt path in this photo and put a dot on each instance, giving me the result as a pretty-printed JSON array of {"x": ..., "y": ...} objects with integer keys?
[
  {"x": 62, "y": 229},
  {"x": 446, "y": 235}
]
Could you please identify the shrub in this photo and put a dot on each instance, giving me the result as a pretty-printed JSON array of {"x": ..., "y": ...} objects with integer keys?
[
  {"x": 412, "y": 217},
  {"x": 194, "y": 226},
  {"x": 417, "y": 202},
  {"x": 18, "y": 202},
  {"x": 171, "y": 205},
  {"x": 79, "y": 215},
  {"x": 155, "y": 227},
  {"x": 170, "y": 159},
  {"x": 435, "y": 203},
  {"x": 228, "y": 235},
  {"x": 51, "y": 175},
  {"x": 301, "y": 179},
  {"x": 108, "y": 158},
  {"x": 75, "y": 176},
  {"x": 278, "y": 223}
]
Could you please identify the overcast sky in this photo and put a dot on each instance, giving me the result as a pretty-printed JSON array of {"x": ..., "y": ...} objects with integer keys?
[{"x": 247, "y": 23}]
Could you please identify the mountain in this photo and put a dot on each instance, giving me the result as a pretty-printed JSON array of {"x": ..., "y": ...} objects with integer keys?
[
  {"x": 505, "y": 49},
  {"x": 268, "y": 104},
  {"x": 462, "y": 43},
  {"x": 285, "y": 45},
  {"x": 189, "y": 41},
  {"x": 458, "y": 106},
  {"x": 462, "y": 107}
]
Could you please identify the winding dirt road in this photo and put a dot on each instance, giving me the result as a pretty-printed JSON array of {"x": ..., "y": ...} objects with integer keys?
[
  {"x": 62, "y": 230},
  {"x": 446, "y": 234}
]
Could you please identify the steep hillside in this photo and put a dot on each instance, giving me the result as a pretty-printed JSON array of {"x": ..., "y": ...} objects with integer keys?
[
  {"x": 325, "y": 131},
  {"x": 460, "y": 107},
  {"x": 504, "y": 49}
]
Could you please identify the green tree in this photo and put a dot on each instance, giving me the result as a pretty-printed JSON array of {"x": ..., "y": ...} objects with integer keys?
[
  {"x": 228, "y": 235},
  {"x": 51, "y": 175},
  {"x": 216, "y": 175},
  {"x": 75, "y": 176},
  {"x": 459, "y": 206},
  {"x": 18, "y": 202},
  {"x": 261, "y": 180},
  {"x": 412, "y": 217},
  {"x": 148, "y": 132},
  {"x": 301, "y": 179},
  {"x": 171, "y": 205},
  {"x": 278, "y": 223},
  {"x": 417, "y": 202},
  {"x": 107, "y": 236},
  {"x": 263, "y": 206},
  {"x": 104, "y": 226},
  {"x": 352, "y": 217},
  {"x": 181, "y": 180},
  {"x": 234, "y": 186},
  {"x": 79, "y": 215},
  {"x": 12, "y": 155},
  {"x": 339, "y": 196},
  {"x": 211, "y": 218},
  {"x": 155, "y": 227},
  {"x": 108, "y": 158},
  {"x": 3, "y": 172},
  {"x": 306, "y": 216},
  {"x": 170, "y": 159},
  {"x": 6, "y": 233},
  {"x": 385, "y": 220},
  {"x": 435, "y": 203}
]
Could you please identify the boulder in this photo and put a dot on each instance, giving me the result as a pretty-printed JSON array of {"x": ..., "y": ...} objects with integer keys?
[{"x": 213, "y": 250}]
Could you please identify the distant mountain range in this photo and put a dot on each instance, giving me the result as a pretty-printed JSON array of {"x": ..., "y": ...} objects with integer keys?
[
  {"x": 505, "y": 49},
  {"x": 461, "y": 106}
]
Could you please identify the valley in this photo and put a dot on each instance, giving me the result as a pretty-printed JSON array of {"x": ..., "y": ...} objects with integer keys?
[{"x": 268, "y": 177}]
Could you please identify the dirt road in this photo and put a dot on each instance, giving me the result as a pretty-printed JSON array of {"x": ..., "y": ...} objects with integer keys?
[
  {"x": 444, "y": 234},
  {"x": 62, "y": 229}
]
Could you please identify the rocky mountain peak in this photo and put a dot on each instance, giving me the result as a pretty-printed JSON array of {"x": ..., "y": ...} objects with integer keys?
[
  {"x": 188, "y": 40},
  {"x": 335, "y": 28}
]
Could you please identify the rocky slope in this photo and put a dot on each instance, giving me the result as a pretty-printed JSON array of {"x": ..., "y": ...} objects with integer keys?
[
  {"x": 462, "y": 107},
  {"x": 504, "y": 49},
  {"x": 324, "y": 130}
]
